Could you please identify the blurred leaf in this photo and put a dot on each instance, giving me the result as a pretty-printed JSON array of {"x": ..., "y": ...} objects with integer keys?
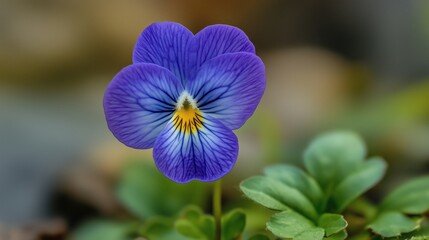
[
  {"x": 410, "y": 198},
  {"x": 188, "y": 229},
  {"x": 420, "y": 238},
  {"x": 332, "y": 223},
  {"x": 358, "y": 182},
  {"x": 289, "y": 224},
  {"x": 338, "y": 236},
  {"x": 423, "y": 230},
  {"x": 276, "y": 195},
  {"x": 106, "y": 230},
  {"x": 142, "y": 190},
  {"x": 233, "y": 224},
  {"x": 160, "y": 228},
  {"x": 332, "y": 156},
  {"x": 298, "y": 179},
  {"x": 392, "y": 224},
  {"x": 259, "y": 237},
  {"x": 194, "y": 224}
]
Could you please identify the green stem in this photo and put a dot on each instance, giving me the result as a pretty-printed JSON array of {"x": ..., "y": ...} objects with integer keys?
[{"x": 217, "y": 207}]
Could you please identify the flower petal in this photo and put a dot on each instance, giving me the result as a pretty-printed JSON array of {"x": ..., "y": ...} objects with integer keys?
[
  {"x": 206, "y": 154},
  {"x": 138, "y": 103},
  {"x": 215, "y": 40},
  {"x": 164, "y": 44},
  {"x": 229, "y": 87}
]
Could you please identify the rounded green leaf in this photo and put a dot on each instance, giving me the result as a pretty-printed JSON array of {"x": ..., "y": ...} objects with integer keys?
[
  {"x": 332, "y": 156},
  {"x": 296, "y": 178},
  {"x": 332, "y": 223},
  {"x": 358, "y": 182},
  {"x": 278, "y": 196},
  {"x": 188, "y": 229},
  {"x": 338, "y": 236},
  {"x": 193, "y": 223},
  {"x": 192, "y": 213},
  {"x": 288, "y": 224},
  {"x": 410, "y": 198},
  {"x": 392, "y": 224},
  {"x": 312, "y": 234},
  {"x": 233, "y": 224}
]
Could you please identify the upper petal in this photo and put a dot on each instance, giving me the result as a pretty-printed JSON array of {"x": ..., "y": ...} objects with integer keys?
[
  {"x": 206, "y": 154},
  {"x": 215, "y": 40},
  {"x": 164, "y": 44},
  {"x": 138, "y": 103},
  {"x": 229, "y": 87}
]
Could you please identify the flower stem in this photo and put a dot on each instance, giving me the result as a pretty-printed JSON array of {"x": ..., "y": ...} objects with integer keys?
[{"x": 217, "y": 207}]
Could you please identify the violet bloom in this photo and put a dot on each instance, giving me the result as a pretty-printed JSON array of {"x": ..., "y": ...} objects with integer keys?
[{"x": 183, "y": 95}]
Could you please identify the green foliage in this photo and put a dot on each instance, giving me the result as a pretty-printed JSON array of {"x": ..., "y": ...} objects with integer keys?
[
  {"x": 420, "y": 238},
  {"x": 333, "y": 156},
  {"x": 392, "y": 224},
  {"x": 194, "y": 224},
  {"x": 309, "y": 202},
  {"x": 411, "y": 198},
  {"x": 233, "y": 224},
  {"x": 358, "y": 182},
  {"x": 106, "y": 230},
  {"x": 259, "y": 237},
  {"x": 142, "y": 190},
  {"x": 332, "y": 223},
  {"x": 276, "y": 195},
  {"x": 298, "y": 179},
  {"x": 160, "y": 228},
  {"x": 289, "y": 224}
]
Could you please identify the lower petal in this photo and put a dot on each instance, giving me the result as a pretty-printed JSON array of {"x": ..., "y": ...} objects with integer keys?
[{"x": 206, "y": 154}]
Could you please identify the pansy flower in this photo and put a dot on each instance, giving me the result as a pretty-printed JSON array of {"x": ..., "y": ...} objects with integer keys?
[{"x": 183, "y": 95}]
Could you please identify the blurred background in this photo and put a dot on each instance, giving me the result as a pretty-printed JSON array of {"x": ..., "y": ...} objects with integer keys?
[{"x": 360, "y": 64}]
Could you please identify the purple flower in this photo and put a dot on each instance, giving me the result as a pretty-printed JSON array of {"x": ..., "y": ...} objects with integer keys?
[{"x": 183, "y": 95}]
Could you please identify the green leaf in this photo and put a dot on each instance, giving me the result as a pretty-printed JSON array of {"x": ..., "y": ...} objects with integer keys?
[
  {"x": 369, "y": 174},
  {"x": 312, "y": 234},
  {"x": 298, "y": 179},
  {"x": 161, "y": 228},
  {"x": 420, "y": 238},
  {"x": 188, "y": 229},
  {"x": 341, "y": 235},
  {"x": 194, "y": 224},
  {"x": 233, "y": 224},
  {"x": 259, "y": 237},
  {"x": 332, "y": 156},
  {"x": 392, "y": 224},
  {"x": 332, "y": 223},
  {"x": 275, "y": 195},
  {"x": 142, "y": 189},
  {"x": 289, "y": 224},
  {"x": 410, "y": 198},
  {"x": 106, "y": 230}
]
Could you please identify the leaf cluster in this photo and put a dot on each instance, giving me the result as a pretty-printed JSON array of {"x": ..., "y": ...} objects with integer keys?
[{"x": 311, "y": 203}]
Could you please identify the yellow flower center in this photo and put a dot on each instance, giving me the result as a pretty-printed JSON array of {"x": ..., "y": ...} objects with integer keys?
[{"x": 187, "y": 117}]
